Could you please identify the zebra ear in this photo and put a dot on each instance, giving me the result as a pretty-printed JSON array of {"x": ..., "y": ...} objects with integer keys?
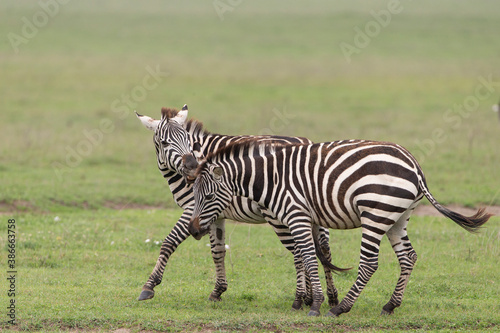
[
  {"x": 181, "y": 115},
  {"x": 148, "y": 122},
  {"x": 217, "y": 172}
]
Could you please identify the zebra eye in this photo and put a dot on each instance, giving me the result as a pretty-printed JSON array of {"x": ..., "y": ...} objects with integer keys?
[
  {"x": 164, "y": 143},
  {"x": 209, "y": 197}
]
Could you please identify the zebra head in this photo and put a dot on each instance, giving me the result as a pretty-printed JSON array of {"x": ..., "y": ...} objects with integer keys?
[
  {"x": 172, "y": 143},
  {"x": 211, "y": 197}
]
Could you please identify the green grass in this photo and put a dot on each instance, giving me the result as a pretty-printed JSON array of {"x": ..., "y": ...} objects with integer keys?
[
  {"x": 266, "y": 67},
  {"x": 86, "y": 271}
]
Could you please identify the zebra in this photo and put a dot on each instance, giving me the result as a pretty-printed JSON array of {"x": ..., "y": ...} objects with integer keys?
[
  {"x": 179, "y": 143},
  {"x": 340, "y": 185}
]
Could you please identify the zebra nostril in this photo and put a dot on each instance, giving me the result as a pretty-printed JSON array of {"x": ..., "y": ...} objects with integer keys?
[
  {"x": 194, "y": 227},
  {"x": 189, "y": 161}
]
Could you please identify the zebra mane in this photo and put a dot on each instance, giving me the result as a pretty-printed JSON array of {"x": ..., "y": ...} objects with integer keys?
[
  {"x": 195, "y": 127},
  {"x": 168, "y": 112},
  {"x": 235, "y": 148}
]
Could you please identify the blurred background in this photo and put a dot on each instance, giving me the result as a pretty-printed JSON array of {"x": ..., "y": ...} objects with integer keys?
[{"x": 423, "y": 74}]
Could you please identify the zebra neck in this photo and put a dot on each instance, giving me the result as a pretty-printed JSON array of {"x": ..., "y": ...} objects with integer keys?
[
  {"x": 251, "y": 180},
  {"x": 206, "y": 143},
  {"x": 200, "y": 138}
]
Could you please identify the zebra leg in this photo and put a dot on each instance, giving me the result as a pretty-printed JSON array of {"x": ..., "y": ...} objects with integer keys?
[
  {"x": 176, "y": 236},
  {"x": 308, "y": 297},
  {"x": 218, "y": 248},
  {"x": 407, "y": 258},
  {"x": 302, "y": 291},
  {"x": 302, "y": 235},
  {"x": 331, "y": 291},
  {"x": 324, "y": 246},
  {"x": 286, "y": 239},
  {"x": 368, "y": 262}
]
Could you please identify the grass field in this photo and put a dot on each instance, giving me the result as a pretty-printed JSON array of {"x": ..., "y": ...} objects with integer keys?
[
  {"x": 422, "y": 74},
  {"x": 86, "y": 270}
]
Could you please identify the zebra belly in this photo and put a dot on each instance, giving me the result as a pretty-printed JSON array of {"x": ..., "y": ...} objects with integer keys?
[{"x": 342, "y": 222}]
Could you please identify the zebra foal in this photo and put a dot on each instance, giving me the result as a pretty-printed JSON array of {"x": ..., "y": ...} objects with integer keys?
[
  {"x": 340, "y": 185},
  {"x": 178, "y": 143}
]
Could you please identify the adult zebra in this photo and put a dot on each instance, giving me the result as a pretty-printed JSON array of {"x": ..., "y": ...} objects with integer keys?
[
  {"x": 177, "y": 142},
  {"x": 339, "y": 185}
]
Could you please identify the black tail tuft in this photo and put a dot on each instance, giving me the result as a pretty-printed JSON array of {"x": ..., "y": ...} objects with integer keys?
[
  {"x": 324, "y": 261},
  {"x": 470, "y": 223}
]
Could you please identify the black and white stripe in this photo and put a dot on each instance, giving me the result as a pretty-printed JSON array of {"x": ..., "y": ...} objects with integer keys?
[
  {"x": 340, "y": 185},
  {"x": 178, "y": 143}
]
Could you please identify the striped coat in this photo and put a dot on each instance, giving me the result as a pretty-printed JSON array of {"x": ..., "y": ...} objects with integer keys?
[{"x": 340, "y": 185}]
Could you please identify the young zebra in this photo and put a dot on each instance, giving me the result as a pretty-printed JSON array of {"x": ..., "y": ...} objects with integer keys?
[
  {"x": 177, "y": 141},
  {"x": 340, "y": 185}
]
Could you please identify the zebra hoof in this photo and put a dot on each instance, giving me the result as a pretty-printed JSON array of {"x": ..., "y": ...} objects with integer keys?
[
  {"x": 330, "y": 314},
  {"x": 388, "y": 309},
  {"x": 214, "y": 298},
  {"x": 335, "y": 312},
  {"x": 386, "y": 313},
  {"x": 146, "y": 294},
  {"x": 313, "y": 313},
  {"x": 297, "y": 305}
]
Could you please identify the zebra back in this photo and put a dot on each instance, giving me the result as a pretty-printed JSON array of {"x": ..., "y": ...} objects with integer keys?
[{"x": 335, "y": 182}]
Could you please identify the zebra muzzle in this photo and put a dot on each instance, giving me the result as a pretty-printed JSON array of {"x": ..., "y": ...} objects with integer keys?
[
  {"x": 194, "y": 228},
  {"x": 190, "y": 165}
]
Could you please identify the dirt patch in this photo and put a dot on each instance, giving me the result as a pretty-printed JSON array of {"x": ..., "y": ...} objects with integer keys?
[
  {"x": 122, "y": 330},
  {"x": 429, "y": 210},
  {"x": 17, "y": 206}
]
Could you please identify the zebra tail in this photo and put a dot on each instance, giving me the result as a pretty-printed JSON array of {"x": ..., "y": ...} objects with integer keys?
[
  {"x": 321, "y": 256},
  {"x": 470, "y": 223}
]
